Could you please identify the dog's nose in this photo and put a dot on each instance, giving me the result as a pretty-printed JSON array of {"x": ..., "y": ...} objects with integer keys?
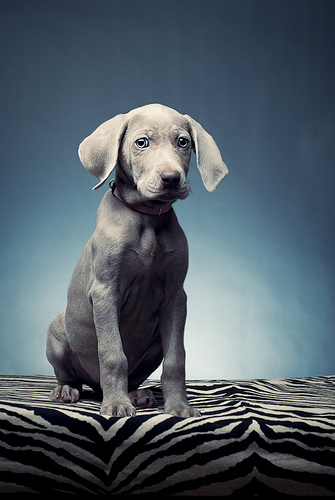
[{"x": 170, "y": 178}]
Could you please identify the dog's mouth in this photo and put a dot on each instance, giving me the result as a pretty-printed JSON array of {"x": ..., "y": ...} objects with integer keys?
[
  {"x": 171, "y": 193},
  {"x": 167, "y": 193},
  {"x": 165, "y": 197},
  {"x": 160, "y": 190}
]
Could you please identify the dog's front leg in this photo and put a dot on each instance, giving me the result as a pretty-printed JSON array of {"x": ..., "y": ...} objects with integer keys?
[
  {"x": 173, "y": 374},
  {"x": 112, "y": 360}
]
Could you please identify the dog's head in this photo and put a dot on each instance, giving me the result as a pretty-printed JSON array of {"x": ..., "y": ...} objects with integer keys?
[{"x": 151, "y": 147}]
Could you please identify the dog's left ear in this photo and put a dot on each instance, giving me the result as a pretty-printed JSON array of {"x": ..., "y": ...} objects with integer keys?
[
  {"x": 99, "y": 151},
  {"x": 209, "y": 162}
]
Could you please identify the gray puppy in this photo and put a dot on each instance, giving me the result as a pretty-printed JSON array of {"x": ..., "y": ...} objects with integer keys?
[{"x": 126, "y": 305}]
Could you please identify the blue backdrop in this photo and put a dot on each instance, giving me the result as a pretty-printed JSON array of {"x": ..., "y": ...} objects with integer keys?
[{"x": 259, "y": 76}]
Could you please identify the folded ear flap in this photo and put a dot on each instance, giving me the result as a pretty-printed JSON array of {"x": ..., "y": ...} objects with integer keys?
[
  {"x": 209, "y": 162},
  {"x": 99, "y": 151}
]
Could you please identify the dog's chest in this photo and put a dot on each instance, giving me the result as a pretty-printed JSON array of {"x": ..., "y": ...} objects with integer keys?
[
  {"x": 144, "y": 282},
  {"x": 148, "y": 245},
  {"x": 149, "y": 255}
]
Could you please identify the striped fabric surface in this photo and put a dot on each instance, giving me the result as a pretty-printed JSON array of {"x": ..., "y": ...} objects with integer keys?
[{"x": 254, "y": 438}]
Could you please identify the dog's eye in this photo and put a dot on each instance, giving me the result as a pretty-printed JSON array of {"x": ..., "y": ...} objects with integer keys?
[
  {"x": 142, "y": 143},
  {"x": 183, "y": 142}
]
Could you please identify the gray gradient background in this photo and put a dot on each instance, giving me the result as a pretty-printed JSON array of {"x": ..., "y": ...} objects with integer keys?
[{"x": 259, "y": 76}]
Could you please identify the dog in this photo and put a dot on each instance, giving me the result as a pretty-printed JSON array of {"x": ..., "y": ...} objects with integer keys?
[{"x": 126, "y": 305}]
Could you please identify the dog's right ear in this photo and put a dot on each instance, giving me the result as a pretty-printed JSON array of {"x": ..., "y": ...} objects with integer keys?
[{"x": 99, "y": 151}]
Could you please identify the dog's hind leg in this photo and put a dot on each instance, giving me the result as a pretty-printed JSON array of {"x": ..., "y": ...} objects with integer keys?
[
  {"x": 59, "y": 354},
  {"x": 144, "y": 398}
]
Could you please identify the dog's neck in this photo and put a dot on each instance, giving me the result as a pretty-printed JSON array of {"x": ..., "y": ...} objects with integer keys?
[{"x": 137, "y": 206}]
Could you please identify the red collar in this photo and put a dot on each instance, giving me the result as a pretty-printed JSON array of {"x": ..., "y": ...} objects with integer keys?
[{"x": 137, "y": 206}]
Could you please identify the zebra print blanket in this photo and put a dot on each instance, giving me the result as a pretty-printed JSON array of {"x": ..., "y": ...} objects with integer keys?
[{"x": 255, "y": 438}]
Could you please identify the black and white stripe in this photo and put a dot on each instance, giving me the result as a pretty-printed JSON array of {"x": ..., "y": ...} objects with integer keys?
[{"x": 254, "y": 437}]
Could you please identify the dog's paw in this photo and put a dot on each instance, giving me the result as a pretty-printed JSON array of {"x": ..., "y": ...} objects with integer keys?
[
  {"x": 143, "y": 398},
  {"x": 182, "y": 410},
  {"x": 64, "y": 394},
  {"x": 118, "y": 409}
]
